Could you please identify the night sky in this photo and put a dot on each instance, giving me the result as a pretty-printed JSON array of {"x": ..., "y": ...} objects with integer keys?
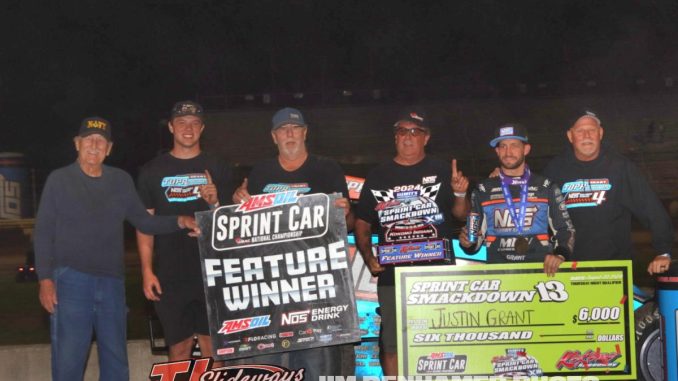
[{"x": 129, "y": 61}]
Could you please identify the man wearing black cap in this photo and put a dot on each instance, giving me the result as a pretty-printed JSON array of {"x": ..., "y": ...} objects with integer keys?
[
  {"x": 182, "y": 181},
  {"x": 79, "y": 255},
  {"x": 410, "y": 198},
  {"x": 294, "y": 168},
  {"x": 603, "y": 189},
  {"x": 517, "y": 209}
]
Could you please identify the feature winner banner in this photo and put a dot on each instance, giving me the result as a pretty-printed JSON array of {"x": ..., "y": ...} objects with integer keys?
[
  {"x": 277, "y": 276},
  {"x": 513, "y": 320}
]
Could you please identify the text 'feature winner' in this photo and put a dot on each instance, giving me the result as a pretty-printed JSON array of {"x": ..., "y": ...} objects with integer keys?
[{"x": 277, "y": 275}]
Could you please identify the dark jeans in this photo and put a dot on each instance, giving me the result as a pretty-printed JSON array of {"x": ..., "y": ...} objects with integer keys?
[{"x": 88, "y": 303}]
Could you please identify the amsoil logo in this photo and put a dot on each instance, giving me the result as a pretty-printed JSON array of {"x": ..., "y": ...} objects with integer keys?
[
  {"x": 265, "y": 201},
  {"x": 239, "y": 325}
]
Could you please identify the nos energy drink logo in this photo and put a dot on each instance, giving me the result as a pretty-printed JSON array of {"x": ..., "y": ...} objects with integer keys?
[{"x": 239, "y": 325}]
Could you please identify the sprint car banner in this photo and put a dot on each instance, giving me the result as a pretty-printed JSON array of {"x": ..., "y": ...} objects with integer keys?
[
  {"x": 513, "y": 320},
  {"x": 277, "y": 276}
]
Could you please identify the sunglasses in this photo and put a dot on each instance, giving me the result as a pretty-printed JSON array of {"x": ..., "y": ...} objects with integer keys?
[{"x": 402, "y": 131}]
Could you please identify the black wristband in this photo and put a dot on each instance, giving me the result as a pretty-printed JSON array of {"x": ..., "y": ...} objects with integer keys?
[{"x": 562, "y": 252}]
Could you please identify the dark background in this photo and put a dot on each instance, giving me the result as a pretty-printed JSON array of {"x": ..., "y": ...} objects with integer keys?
[{"x": 129, "y": 61}]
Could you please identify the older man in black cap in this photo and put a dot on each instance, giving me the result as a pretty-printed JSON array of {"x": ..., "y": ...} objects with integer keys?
[
  {"x": 79, "y": 255},
  {"x": 603, "y": 189},
  {"x": 392, "y": 200}
]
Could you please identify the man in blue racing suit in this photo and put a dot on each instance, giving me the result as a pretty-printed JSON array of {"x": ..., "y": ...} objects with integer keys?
[{"x": 517, "y": 209}]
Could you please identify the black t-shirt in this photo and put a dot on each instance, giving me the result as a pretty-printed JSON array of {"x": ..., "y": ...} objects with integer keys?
[
  {"x": 170, "y": 186},
  {"x": 316, "y": 175},
  {"x": 408, "y": 203}
]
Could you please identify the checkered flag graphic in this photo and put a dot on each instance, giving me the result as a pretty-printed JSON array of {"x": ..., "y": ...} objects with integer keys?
[
  {"x": 430, "y": 191},
  {"x": 382, "y": 195},
  {"x": 427, "y": 192}
]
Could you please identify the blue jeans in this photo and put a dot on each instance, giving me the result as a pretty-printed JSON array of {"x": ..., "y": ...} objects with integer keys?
[{"x": 88, "y": 303}]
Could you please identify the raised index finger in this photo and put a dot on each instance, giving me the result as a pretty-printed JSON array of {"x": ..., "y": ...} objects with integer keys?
[
  {"x": 454, "y": 168},
  {"x": 209, "y": 178}
]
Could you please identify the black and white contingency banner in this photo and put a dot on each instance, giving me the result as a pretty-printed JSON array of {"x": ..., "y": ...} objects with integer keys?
[{"x": 276, "y": 275}]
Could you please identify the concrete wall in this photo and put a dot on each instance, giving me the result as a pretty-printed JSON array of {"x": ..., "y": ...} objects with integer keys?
[{"x": 32, "y": 362}]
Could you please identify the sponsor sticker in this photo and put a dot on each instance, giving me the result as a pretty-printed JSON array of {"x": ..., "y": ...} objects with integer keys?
[
  {"x": 441, "y": 362},
  {"x": 296, "y": 317},
  {"x": 225, "y": 351},
  {"x": 239, "y": 325},
  {"x": 576, "y": 360}
]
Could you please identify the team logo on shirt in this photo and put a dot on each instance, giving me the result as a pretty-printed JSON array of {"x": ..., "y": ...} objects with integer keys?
[
  {"x": 301, "y": 188},
  {"x": 429, "y": 179},
  {"x": 501, "y": 223},
  {"x": 503, "y": 220},
  {"x": 183, "y": 188},
  {"x": 408, "y": 212},
  {"x": 584, "y": 193}
]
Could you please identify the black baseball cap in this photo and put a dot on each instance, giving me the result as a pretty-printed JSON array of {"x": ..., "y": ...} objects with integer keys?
[
  {"x": 95, "y": 125},
  {"x": 509, "y": 131},
  {"x": 184, "y": 108},
  {"x": 413, "y": 115},
  {"x": 585, "y": 113}
]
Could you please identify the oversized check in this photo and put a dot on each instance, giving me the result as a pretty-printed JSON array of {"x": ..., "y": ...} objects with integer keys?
[{"x": 513, "y": 320}]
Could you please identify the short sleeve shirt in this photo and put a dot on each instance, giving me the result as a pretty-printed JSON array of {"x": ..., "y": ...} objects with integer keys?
[{"x": 170, "y": 186}]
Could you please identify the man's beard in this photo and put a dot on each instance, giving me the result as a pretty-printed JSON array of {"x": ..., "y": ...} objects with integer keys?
[
  {"x": 515, "y": 165},
  {"x": 292, "y": 150}
]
